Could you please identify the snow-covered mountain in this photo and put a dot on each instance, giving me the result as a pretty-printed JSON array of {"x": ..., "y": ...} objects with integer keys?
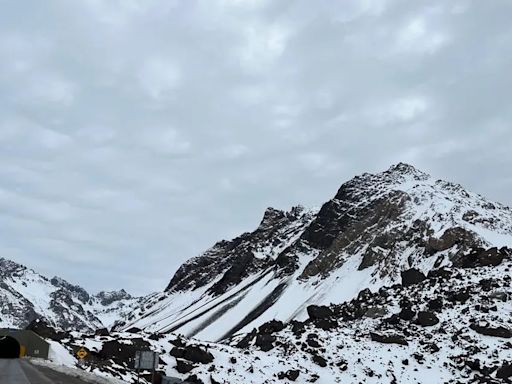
[
  {"x": 400, "y": 278},
  {"x": 453, "y": 325},
  {"x": 376, "y": 226},
  {"x": 26, "y": 295}
]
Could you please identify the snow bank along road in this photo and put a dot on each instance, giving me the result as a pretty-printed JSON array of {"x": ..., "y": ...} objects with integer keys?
[{"x": 17, "y": 371}]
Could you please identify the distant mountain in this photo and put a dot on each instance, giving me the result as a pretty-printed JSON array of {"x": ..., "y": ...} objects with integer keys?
[
  {"x": 26, "y": 295},
  {"x": 376, "y": 226}
]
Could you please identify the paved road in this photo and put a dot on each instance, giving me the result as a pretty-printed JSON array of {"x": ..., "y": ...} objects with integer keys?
[{"x": 18, "y": 371}]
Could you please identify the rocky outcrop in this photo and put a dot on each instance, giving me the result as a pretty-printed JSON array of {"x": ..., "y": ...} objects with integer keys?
[
  {"x": 233, "y": 260},
  {"x": 488, "y": 330},
  {"x": 388, "y": 339},
  {"x": 412, "y": 276}
]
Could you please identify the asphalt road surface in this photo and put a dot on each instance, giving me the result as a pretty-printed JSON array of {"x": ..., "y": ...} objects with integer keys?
[{"x": 19, "y": 371}]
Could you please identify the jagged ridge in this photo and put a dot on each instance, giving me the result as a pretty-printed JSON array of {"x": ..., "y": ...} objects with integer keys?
[{"x": 376, "y": 226}]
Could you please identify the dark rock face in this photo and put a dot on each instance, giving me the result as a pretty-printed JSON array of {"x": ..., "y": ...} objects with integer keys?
[
  {"x": 346, "y": 232},
  {"x": 326, "y": 324},
  {"x": 234, "y": 260},
  {"x": 42, "y": 328},
  {"x": 102, "y": 332},
  {"x": 80, "y": 293},
  {"x": 121, "y": 352},
  {"x": 107, "y": 298},
  {"x": 316, "y": 312},
  {"x": 407, "y": 314},
  {"x": 505, "y": 371},
  {"x": 412, "y": 276},
  {"x": 319, "y": 360},
  {"x": 427, "y": 319},
  {"x": 482, "y": 257},
  {"x": 271, "y": 327},
  {"x": 291, "y": 375},
  {"x": 193, "y": 354},
  {"x": 265, "y": 342},
  {"x": 451, "y": 237},
  {"x": 197, "y": 355},
  {"x": 487, "y": 330},
  {"x": 388, "y": 339},
  {"x": 435, "y": 304},
  {"x": 183, "y": 366}
]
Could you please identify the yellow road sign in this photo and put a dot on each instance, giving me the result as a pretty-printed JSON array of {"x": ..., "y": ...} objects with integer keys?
[{"x": 82, "y": 353}]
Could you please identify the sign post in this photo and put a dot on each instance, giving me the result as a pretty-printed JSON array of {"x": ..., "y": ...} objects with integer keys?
[
  {"x": 82, "y": 353},
  {"x": 146, "y": 360}
]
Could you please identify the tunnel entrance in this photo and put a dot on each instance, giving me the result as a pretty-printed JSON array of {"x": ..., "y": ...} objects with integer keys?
[{"x": 9, "y": 348}]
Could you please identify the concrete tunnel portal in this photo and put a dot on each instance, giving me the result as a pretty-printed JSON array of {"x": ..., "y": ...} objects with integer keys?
[{"x": 10, "y": 348}]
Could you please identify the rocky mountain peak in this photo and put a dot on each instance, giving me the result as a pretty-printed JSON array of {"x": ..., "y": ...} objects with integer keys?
[
  {"x": 9, "y": 267},
  {"x": 405, "y": 169},
  {"x": 271, "y": 216},
  {"x": 107, "y": 298},
  {"x": 375, "y": 227}
]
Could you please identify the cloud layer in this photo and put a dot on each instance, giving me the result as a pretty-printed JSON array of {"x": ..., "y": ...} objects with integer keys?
[{"x": 134, "y": 134}]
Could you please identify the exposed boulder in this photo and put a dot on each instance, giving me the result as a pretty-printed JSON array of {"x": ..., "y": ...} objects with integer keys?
[
  {"x": 319, "y": 360},
  {"x": 326, "y": 324},
  {"x": 121, "y": 352},
  {"x": 291, "y": 375},
  {"x": 316, "y": 312},
  {"x": 192, "y": 353},
  {"x": 427, "y": 318},
  {"x": 480, "y": 257},
  {"x": 435, "y": 304},
  {"x": 407, "y": 314},
  {"x": 452, "y": 236},
  {"x": 505, "y": 371},
  {"x": 183, "y": 366},
  {"x": 43, "y": 329},
  {"x": 487, "y": 330},
  {"x": 412, "y": 276},
  {"x": 376, "y": 312},
  {"x": 265, "y": 342},
  {"x": 271, "y": 326},
  {"x": 388, "y": 339}
]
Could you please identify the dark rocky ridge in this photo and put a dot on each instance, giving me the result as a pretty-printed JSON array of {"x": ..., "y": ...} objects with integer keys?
[
  {"x": 234, "y": 260},
  {"x": 359, "y": 216},
  {"x": 384, "y": 224}
]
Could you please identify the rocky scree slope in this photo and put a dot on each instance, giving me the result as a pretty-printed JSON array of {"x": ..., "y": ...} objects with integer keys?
[
  {"x": 452, "y": 325},
  {"x": 375, "y": 227},
  {"x": 26, "y": 296}
]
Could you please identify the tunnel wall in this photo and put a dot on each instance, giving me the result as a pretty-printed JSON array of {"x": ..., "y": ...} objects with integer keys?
[{"x": 35, "y": 346}]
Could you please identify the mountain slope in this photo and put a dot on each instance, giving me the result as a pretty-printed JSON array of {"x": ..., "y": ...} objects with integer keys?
[
  {"x": 375, "y": 227},
  {"x": 452, "y": 325},
  {"x": 25, "y": 296}
]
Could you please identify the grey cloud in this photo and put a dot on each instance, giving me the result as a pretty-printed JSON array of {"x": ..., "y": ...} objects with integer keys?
[{"x": 133, "y": 135}]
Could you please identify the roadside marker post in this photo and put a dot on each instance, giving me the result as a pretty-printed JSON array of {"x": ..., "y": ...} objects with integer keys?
[{"x": 146, "y": 360}]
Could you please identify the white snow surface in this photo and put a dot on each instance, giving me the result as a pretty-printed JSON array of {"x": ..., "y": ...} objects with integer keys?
[
  {"x": 351, "y": 355},
  {"x": 23, "y": 290},
  {"x": 444, "y": 205}
]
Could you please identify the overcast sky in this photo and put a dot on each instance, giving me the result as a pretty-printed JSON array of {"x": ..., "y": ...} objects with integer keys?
[{"x": 136, "y": 133}]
